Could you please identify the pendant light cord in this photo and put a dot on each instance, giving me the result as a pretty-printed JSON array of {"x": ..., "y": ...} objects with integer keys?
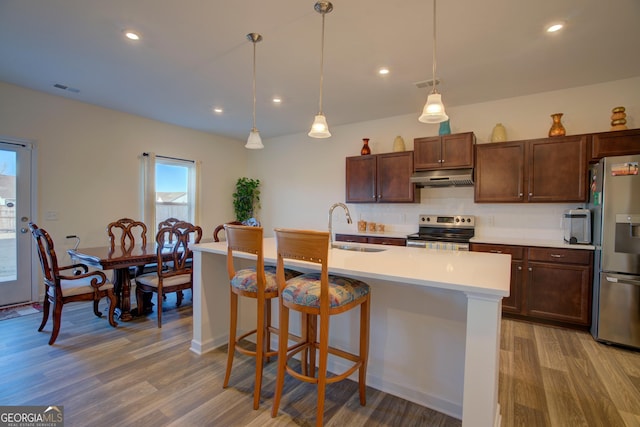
[
  {"x": 321, "y": 65},
  {"x": 434, "y": 47},
  {"x": 254, "y": 87}
]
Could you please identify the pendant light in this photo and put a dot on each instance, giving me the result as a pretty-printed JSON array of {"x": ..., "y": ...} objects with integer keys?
[
  {"x": 433, "y": 111},
  {"x": 254, "y": 141},
  {"x": 319, "y": 128}
]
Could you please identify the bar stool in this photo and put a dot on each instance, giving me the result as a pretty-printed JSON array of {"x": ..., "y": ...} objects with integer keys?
[
  {"x": 317, "y": 294},
  {"x": 257, "y": 282}
]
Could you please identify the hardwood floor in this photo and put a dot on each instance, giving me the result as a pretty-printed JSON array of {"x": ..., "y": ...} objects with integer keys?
[{"x": 140, "y": 375}]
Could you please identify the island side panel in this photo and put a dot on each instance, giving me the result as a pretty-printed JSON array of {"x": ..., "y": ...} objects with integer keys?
[
  {"x": 481, "y": 367},
  {"x": 210, "y": 302}
]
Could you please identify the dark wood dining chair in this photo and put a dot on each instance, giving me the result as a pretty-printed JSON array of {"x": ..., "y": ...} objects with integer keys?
[
  {"x": 316, "y": 295},
  {"x": 257, "y": 282},
  {"x": 71, "y": 283},
  {"x": 174, "y": 272},
  {"x": 127, "y": 233}
]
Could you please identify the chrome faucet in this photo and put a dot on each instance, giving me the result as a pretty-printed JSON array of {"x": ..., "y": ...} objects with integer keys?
[{"x": 346, "y": 210}]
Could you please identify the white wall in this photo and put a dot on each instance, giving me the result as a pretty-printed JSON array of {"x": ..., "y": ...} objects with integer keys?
[
  {"x": 302, "y": 176},
  {"x": 88, "y": 162}
]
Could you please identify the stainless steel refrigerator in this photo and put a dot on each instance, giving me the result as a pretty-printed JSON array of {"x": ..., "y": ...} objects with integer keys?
[{"x": 615, "y": 206}]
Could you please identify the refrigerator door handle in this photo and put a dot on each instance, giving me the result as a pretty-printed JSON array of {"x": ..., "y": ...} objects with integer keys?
[{"x": 625, "y": 281}]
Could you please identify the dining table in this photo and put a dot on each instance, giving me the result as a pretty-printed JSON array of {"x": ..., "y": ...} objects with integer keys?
[{"x": 120, "y": 260}]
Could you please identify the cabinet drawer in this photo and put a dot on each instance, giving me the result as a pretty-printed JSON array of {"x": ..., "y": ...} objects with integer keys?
[
  {"x": 393, "y": 241},
  {"x": 563, "y": 256},
  {"x": 351, "y": 238},
  {"x": 516, "y": 252}
]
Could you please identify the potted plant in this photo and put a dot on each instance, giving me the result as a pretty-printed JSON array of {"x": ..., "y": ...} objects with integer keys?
[{"x": 246, "y": 198}]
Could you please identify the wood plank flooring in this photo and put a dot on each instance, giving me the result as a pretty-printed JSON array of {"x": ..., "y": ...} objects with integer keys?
[{"x": 140, "y": 375}]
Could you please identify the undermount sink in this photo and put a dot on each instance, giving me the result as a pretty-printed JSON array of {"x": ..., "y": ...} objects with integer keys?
[{"x": 357, "y": 248}]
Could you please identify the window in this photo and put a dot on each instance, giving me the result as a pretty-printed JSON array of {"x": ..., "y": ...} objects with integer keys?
[
  {"x": 170, "y": 190},
  {"x": 173, "y": 198}
]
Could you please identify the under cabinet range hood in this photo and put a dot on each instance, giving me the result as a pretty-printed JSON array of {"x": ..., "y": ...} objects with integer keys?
[{"x": 443, "y": 178}]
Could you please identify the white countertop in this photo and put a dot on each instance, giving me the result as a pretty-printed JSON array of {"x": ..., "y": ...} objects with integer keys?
[
  {"x": 476, "y": 272},
  {"x": 526, "y": 241}
]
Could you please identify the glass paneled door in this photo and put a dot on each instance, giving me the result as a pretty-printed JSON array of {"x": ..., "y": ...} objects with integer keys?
[{"x": 15, "y": 213}]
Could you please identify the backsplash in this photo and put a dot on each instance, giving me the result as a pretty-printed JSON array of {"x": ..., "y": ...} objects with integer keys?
[{"x": 526, "y": 220}]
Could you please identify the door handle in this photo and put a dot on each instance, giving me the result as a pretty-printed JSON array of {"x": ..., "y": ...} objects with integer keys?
[
  {"x": 625, "y": 281},
  {"x": 23, "y": 230}
]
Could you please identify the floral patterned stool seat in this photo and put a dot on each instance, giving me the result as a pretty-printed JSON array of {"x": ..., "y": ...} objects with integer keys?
[{"x": 317, "y": 295}]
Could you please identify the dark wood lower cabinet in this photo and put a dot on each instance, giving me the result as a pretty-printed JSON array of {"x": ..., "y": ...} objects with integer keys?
[
  {"x": 354, "y": 238},
  {"x": 548, "y": 285}
]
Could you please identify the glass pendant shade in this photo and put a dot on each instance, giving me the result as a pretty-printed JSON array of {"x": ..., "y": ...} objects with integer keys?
[
  {"x": 254, "y": 142},
  {"x": 319, "y": 128},
  {"x": 433, "y": 111}
]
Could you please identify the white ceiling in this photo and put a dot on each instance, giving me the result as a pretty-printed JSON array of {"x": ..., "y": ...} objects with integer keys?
[{"x": 194, "y": 55}]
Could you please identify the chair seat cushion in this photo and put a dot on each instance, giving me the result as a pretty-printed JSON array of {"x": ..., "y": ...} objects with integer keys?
[
  {"x": 151, "y": 279},
  {"x": 78, "y": 287},
  {"x": 246, "y": 280},
  {"x": 305, "y": 290}
]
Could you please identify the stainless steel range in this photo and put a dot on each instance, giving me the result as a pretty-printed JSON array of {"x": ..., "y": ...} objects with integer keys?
[{"x": 444, "y": 232}]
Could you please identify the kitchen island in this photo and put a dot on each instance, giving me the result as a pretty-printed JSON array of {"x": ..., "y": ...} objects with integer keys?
[{"x": 435, "y": 321}]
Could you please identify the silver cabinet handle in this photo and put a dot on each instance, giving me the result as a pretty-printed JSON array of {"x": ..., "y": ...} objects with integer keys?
[
  {"x": 495, "y": 251},
  {"x": 530, "y": 268},
  {"x": 556, "y": 256},
  {"x": 519, "y": 268}
]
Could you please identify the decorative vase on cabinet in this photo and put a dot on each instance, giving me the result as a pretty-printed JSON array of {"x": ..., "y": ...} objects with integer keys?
[
  {"x": 499, "y": 133},
  {"x": 365, "y": 147},
  {"x": 398, "y": 144},
  {"x": 557, "y": 129}
]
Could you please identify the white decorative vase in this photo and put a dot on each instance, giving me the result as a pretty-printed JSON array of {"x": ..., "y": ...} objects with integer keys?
[
  {"x": 398, "y": 144},
  {"x": 499, "y": 133}
]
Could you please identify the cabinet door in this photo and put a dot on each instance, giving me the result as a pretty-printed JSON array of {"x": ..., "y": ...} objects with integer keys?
[
  {"x": 616, "y": 143},
  {"x": 361, "y": 179},
  {"x": 352, "y": 238},
  {"x": 557, "y": 169},
  {"x": 457, "y": 150},
  {"x": 499, "y": 172},
  {"x": 427, "y": 153},
  {"x": 394, "y": 171},
  {"x": 392, "y": 241},
  {"x": 559, "y": 292},
  {"x": 512, "y": 303}
]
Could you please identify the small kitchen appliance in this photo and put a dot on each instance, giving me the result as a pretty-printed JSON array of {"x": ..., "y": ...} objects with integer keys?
[
  {"x": 443, "y": 232},
  {"x": 577, "y": 226}
]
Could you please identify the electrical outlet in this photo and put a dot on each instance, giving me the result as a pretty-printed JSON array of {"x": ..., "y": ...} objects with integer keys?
[{"x": 51, "y": 215}]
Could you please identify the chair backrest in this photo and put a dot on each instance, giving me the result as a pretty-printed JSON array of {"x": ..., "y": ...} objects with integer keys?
[
  {"x": 242, "y": 238},
  {"x": 169, "y": 222},
  {"x": 175, "y": 240},
  {"x": 125, "y": 231},
  {"x": 216, "y": 232},
  {"x": 47, "y": 255},
  {"x": 304, "y": 245}
]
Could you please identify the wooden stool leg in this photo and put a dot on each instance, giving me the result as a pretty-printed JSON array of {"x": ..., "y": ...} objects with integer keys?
[
  {"x": 312, "y": 338},
  {"x": 364, "y": 349},
  {"x": 283, "y": 340},
  {"x": 322, "y": 366},
  {"x": 231, "y": 348},
  {"x": 260, "y": 344}
]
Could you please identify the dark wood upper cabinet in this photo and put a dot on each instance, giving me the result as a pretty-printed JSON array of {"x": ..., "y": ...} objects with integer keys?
[
  {"x": 380, "y": 178},
  {"x": 616, "y": 143},
  {"x": 453, "y": 151},
  {"x": 540, "y": 170}
]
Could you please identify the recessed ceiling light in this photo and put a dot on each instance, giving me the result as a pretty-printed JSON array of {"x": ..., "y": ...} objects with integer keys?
[
  {"x": 383, "y": 71},
  {"x": 218, "y": 110},
  {"x": 555, "y": 27},
  {"x": 132, "y": 35},
  {"x": 277, "y": 100}
]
